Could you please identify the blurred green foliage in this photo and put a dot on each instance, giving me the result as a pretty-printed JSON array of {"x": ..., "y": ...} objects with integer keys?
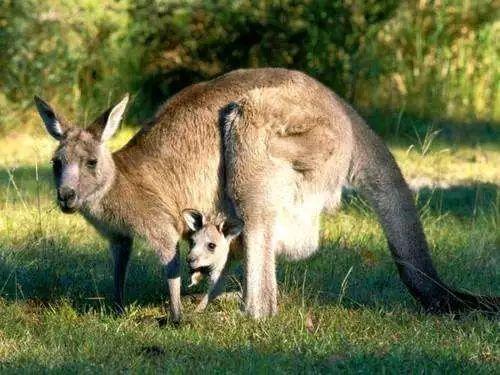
[{"x": 428, "y": 58}]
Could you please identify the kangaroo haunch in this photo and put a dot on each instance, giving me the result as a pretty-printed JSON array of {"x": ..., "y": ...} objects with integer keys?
[{"x": 287, "y": 147}]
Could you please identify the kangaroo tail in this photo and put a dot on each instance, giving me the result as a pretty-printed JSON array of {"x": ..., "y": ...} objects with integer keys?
[{"x": 377, "y": 177}]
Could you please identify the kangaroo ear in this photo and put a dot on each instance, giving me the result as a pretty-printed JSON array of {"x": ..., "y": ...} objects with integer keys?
[
  {"x": 107, "y": 123},
  {"x": 194, "y": 219},
  {"x": 231, "y": 228},
  {"x": 51, "y": 120}
]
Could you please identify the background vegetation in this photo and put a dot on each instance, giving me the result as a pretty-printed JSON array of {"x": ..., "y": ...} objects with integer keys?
[
  {"x": 424, "y": 73},
  {"x": 427, "y": 59}
]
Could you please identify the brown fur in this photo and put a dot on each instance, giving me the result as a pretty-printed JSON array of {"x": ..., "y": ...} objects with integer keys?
[{"x": 290, "y": 145}]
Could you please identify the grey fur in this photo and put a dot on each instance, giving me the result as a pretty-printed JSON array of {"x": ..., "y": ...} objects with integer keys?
[{"x": 291, "y": 144}]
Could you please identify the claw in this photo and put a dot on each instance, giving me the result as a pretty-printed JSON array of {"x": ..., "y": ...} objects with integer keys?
[{"x": 195, "y": 279}]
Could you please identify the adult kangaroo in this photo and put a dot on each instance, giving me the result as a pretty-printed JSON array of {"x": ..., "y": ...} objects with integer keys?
[{"x": 288, "y": 145}]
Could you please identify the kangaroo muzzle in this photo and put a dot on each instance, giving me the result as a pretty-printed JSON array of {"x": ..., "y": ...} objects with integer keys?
[
  {"x": 67, "y": 195},
  {"x": 67, "y": 199}
]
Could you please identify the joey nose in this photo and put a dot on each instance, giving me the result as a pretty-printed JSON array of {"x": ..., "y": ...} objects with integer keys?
[{"x": 190, "y": 259}]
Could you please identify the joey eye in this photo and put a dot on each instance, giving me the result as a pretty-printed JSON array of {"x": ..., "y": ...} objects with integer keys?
[
  {"x": 91, "y": 163},
  {"x": 211, "y": 246}
]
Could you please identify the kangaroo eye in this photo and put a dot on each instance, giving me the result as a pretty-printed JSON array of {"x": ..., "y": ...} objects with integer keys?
[
  {"x": 91, "y": 163},
  {"x": 211, "y": 246}
]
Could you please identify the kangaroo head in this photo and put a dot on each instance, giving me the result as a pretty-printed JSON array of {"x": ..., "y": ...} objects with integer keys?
[
  {"x": 210, "y": 239},
  {"x": 82, "y": 165}
]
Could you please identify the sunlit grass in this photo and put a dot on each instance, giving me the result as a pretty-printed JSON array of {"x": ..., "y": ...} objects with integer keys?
[{"x": 56, "y": 283}]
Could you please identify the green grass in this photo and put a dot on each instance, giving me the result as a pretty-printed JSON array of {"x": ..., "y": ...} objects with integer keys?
[{"x": 56, "y": 283}]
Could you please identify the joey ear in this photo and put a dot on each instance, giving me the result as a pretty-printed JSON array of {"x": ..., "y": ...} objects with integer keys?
[
  {"x": 107, "y": 123},
  {"x": 194, "y": 219},
  {"x": 231, "y": 228},
  {"x": 50, "y": 118}
]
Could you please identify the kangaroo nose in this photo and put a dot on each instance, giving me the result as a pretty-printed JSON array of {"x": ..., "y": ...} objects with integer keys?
[{"x": 66, "y": 194}]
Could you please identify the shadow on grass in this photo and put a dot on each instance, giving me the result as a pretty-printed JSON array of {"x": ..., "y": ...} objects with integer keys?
[
  {"x": 183, "y": 357},
  {"x": 402, "y": 128},
  {"x": 458, "y": 200},
  {"x": 20, "y": 184},
  {"x": 48, "y": 272},
  {"x": 464, "y": 201}
]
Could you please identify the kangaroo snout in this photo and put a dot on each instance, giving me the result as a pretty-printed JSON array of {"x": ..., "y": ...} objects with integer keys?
[
  {"x": 192, "y": 261},
  {"x": 67, "y": 199}
]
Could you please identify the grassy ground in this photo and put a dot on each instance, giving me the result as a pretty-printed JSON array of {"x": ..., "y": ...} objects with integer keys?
[{"x": 343, "y": 310}]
